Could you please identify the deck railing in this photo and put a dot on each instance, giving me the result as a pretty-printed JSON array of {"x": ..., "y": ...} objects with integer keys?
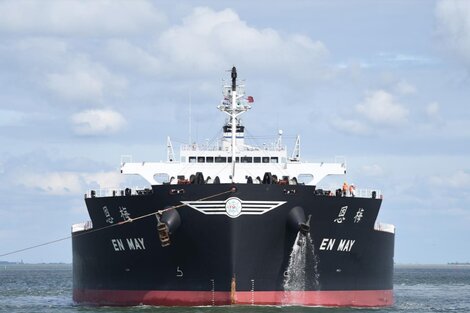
[
  {"x": 389, "y": 228},
  {"x": 114, "y": 192},
  {"x": 368, "y": 193},
  {"x": 82, "y": 226}
]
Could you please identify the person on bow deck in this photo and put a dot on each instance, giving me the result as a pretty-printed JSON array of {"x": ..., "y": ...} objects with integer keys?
[
  {"x": 345, "y": 189},
  {"x": 352, "y": 190}
]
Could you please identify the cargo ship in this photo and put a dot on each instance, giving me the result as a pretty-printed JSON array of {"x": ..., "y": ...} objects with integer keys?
[{"x": 230, "y": 223}]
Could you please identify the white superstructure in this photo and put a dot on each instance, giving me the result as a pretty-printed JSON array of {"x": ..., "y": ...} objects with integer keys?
[{"x": 231, "y": 160}]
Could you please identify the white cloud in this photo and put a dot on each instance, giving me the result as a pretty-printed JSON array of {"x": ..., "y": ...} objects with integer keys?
[
  {"x": 98, "y": 122},
  {"x": 46, "y": 50},
  {"x": 55, "y": 183},
  {"x": 97, "y": 17},
  {"x": 64, "y": 183},
  {"x": 432, "y": 109},
  {"x": 405, "y": 88},
  {"x": 206, "y": 41},
  {"x": 372, "y": 170},
  {"x": 378, "y": 109},
  {"x": 10, "y": 117},
  {"x": 459, "y": 179},
  {"x": 400, "y": 59},
  {"x": 453, "y": 23},
  {"x": 56, "y": 65},
  {"x": 83, "y": 80},
  {"x": 350, "y": 126},
  {"x": 123, "y": 52},
  {"x": 381, "y": 108},
  {"x": 104, "y": 179},
  {"x": 209, "y": 39}
]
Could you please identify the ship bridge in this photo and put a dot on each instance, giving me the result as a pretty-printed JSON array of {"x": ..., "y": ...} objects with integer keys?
[
  {"x": 217, "y": 165},
  {"x": 230, "y": 159}
]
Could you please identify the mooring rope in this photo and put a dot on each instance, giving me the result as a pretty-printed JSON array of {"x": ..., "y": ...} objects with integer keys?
[
  {"x": 129, "y": 220},
  {"x": 36, "y": 246}
]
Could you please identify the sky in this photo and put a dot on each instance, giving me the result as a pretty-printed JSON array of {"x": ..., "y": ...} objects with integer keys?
[{"x": 383, "y": 83}]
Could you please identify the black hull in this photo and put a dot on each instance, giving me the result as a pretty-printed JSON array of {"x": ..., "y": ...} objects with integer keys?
[{"x": 216, "y": 259}]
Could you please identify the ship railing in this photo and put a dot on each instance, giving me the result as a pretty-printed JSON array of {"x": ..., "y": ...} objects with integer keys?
[
  {"x": 115, "y": 192},
  {"x": 82, "y": 226},
  {"x": 368, "y": 193},
  {"x": 198, "y": 147},
  {"x": 202, "y": 148},
  {"x": 389, "y": 228},
  {"x": 359, "y": 193}
]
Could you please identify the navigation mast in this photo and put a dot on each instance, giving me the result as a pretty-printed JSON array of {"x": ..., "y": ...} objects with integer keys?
[{"x": 233, "y": 118}]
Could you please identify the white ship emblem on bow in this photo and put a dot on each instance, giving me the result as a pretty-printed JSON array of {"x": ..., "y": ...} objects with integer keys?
[{"x": 233, "y": 207}]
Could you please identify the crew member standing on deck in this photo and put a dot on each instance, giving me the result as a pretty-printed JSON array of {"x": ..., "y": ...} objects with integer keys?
[
  {"x": 352, "y": 190},
  {"x": 345, "y": 189}
]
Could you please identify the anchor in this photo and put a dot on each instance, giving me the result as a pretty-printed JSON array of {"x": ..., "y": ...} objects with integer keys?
[
  {"x": 167, "y": 224},
  {"x": 163, "y": 233},
  {"x": 297, "y": 222},
  {"x": 305, "y": 227},
  {"x": 304, "y": 230}
]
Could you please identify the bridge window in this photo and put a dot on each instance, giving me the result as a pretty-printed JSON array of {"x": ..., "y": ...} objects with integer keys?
[
  {"x": 247, "y": 159},
  {"x": 192, "y": 159},
  {"x": 257, "y": 160},
  {"x": 210, "y": 159},
  {"x": 265, "y": 159},
  {"x": 220, "y": 159},
  {"x": 274, "y": 160},
  {"x": 201, "y": 160}
]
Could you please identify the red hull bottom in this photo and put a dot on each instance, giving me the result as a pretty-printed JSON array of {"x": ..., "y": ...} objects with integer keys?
[{"x": 349, "y": 298}]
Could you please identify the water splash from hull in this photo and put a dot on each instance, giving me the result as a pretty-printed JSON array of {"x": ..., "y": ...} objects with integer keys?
[{"x": 302, "y": 273}]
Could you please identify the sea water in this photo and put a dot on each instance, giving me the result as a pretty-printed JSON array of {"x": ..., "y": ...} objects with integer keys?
[{"x": 418, "y": 289}]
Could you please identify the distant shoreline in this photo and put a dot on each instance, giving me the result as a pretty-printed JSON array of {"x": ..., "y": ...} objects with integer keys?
[
  {"x": 442, "y": 265},
  {"x": 397, "y": 265},
  {"x": 2, "y": 263}
]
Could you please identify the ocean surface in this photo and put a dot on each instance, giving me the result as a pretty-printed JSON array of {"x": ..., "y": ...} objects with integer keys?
[{"x": 418, "y": 289}]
